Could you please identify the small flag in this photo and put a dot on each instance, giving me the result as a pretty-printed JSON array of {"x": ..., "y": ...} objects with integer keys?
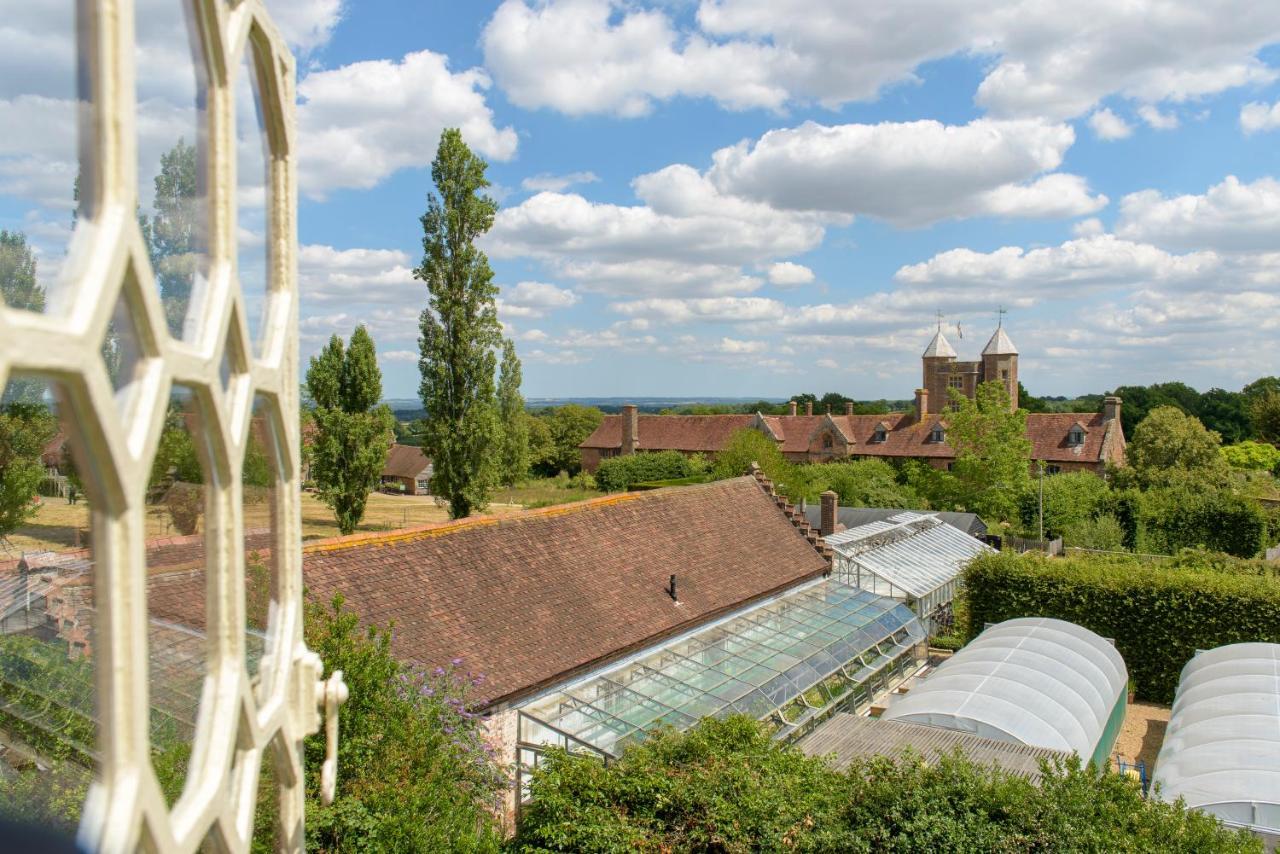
[{"x": 959, "y": 331}]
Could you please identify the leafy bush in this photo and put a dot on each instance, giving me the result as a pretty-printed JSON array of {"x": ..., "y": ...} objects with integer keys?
[
  {"x": 1252, "y": 456},
  {"x": 951, "y": 642},
  {"x": 582, "y": 480},
  {"x": 1070, "y": 500},
  {"x": 416, "y": 773},
  {"x": 1187, "y": 517},
  {"x": 726, "y": 787},
  {"x": 747, "y": 446},
  {"x": 1159, "y": 614},
  {"x": 617, "y": 473},
  {"x": 861, "y": 483},
  {"x": 185, "y": 503},
  {"x": 1103, "y": 532}
]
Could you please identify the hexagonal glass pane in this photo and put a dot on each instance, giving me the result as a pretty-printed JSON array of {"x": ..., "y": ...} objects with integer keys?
[
  {"x": 172, "y": 193},
  {"x": 176, "y": 586},
  {"x": 122, "y": 352},
  {"x": 47, "y": 611},
  {"x": 253, "y": 196},
  {"x": 260, "y": 483},
  {"x": 43, "y": 195}
]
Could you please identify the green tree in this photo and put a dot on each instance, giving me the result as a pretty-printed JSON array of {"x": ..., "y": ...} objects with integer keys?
[
  {"x": 1252, "y": 456},
  {"x": 1172, "y": 447},
  {"x": 515, "y": 423},
  {"x": 352, "y": 432},
  {"x": 25, "y": 429},
  {"x": 1029, "y": 402},
  {"x": 172, "y": 234},
  {"x": 1261, "y": 386},
  {"x": 1226, "y": 413},
  {"x": 460, "y": 330},
  {"x": 1071, "y": 501},
  {"x": 747, "y": 446},
  {"x": 1264, "y": 416},
  {"x": 541, "y": 447},
  {"x": 568, "y": 426},
  {"x": 18, "y": 283},
  {"x": 993, "y": 454},
  {"x": 861, "y": 483},
  {"x": 1140, "y": 400}
]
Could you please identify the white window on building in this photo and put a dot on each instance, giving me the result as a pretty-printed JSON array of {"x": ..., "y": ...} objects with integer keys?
[
  {"x": 424, "y": 484},
  {"x": 1075, "y": 436},
  {"x": 937, "y": 435},
  {"x": 879, "y": 435},
  {"x": 956, "y": 382}
]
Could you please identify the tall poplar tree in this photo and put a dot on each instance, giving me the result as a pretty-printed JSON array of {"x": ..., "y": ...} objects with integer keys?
[
  {"x": 353, "y": 432},
  {"x": 515, "y": 421},
  {"x": 460, "y": 331}
]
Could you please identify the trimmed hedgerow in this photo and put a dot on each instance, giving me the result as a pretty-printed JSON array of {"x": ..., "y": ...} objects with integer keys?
[
  {"x": 725, "y": 787},
  {"x": 618, "y": 473},
  {"x": 1159, "y": 614}
]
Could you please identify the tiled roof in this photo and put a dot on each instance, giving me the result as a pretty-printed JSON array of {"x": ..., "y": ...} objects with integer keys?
[
  {"x": 405, "y": 461},
  {"x": 939, "y": 347},
  {"x": 531, "y": 599},
  {"x": 905, "y": 437},
  {"x": 671, "y": 432},
  {"x": 1000, "y": 344}
]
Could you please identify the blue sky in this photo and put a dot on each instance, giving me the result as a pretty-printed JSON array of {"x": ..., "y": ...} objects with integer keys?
[{"x": 758, "y": 197}]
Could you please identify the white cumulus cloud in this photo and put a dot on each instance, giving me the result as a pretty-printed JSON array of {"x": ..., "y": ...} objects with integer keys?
[
  {"x": 1232, "y": 216},
  {"x": 1108, "y": 126},
  {"x": 557, "y": 183},
  {"x": 787, "y": 274},
  {"x": 1256, "y": 116}
]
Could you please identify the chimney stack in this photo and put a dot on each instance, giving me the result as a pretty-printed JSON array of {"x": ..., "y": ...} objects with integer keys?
[
  {"x": 630, "y": 430},
  {"x": 848, "y": 407},
  {"x": 792, "y": 407},
  {"x": 827, "y": 520},
  {"x": 808, "y": 407},
  {"x": 828, "y": 409},
  {"x": 1111, "y": 408},
  {"x": 922, "y": 403}
]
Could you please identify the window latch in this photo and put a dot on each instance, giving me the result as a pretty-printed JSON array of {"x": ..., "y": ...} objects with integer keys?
[{"x": 333, "y": 693}]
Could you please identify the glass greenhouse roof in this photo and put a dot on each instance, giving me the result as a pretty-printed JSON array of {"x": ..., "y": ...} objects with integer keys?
[{"x": 813, "y": 644}]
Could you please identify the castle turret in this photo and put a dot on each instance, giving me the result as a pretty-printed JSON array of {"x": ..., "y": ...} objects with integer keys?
[
  {"x": 938, "y": 354},
  {"x": 1000, "y": 362}
]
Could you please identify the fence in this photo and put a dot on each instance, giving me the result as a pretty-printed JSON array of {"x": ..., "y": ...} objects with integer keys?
[{"x": 1020, "y": 545}]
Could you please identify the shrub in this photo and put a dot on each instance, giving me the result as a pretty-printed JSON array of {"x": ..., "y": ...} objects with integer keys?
[
  {"x": 1103, "y": 532},
  {"x": 1070, "y": 500},
  {"x": 747, "y": 446},
  {"x": 185, "y": 503},
  {"x": 1159, "y": 614},
  {"x": 861, "y": 483},
  {"x": 618, "y": 473},
  {"x": 582, "y": 480},
  {"x": 951, "y": 642},
  {"x": 1185, "y": 517},
  {"x": 726, "y": 787},
  {"x": 1252, "y": 456}
]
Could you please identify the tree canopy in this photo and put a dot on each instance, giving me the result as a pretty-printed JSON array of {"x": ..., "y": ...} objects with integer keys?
[
  {"x": 19, "y": 285},
  {"x": 460, "y": 332},
  {"x": 515, "y": 423},
  {"x": 1170, "y": 446},
  {"x": 353, "y": 432},
  {"x": 993, "y": 453}
]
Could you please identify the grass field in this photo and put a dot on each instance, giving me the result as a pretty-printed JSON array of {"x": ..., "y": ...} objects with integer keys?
[{"x": 59, "y": 526}]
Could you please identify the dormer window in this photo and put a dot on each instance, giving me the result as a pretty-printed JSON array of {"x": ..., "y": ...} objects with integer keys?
[
  {"x": 937, "y": 435},
  {"x": 1075, "y": 436},
  {"x": 826, "y": 441},
  {"x": 880, "y": 434}
]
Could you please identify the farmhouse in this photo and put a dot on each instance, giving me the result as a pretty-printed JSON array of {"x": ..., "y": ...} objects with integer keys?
[{"x": 1064, "y": 441}]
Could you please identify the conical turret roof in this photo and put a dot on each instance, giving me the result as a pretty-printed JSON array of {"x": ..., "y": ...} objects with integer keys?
[
  {"x": 1000, "y": 345},
  {"x": 939, "y": 346}
]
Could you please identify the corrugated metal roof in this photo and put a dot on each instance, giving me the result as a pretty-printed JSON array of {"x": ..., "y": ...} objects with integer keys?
[{"x": 847, "y": 737}]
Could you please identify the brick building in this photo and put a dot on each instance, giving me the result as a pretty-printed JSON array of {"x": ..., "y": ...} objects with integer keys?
[{"x": 1064, "y": 441}]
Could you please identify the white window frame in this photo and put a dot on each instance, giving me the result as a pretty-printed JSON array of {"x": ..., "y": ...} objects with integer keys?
[{"x": 236, "y": 732}]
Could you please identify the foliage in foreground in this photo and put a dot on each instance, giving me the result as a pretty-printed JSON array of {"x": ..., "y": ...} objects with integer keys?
[
  {"x": 726, "y": 787},
  {"x": 1159, "y": 614},
  {"x": 416, "y": 773}
]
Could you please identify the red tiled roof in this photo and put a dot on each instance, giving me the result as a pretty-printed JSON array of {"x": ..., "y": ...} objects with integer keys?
[
  {"x": 531, "y": 599},
  {"x": 671, "y": 432},
  {"x": 405, "y": 461},
  {"x": 905, "y": 437}
]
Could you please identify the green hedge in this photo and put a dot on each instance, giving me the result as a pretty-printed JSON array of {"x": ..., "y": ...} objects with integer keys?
[
  {"x": 1159, "y": 614},
  {"x": 618, "y": 473},
  {"x": 674, "y": 481}
]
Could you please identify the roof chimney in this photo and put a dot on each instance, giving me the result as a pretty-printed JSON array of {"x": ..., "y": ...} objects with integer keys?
[
  {"x": 1111, "y": 408},
  {"x": 827, "y": 519},
  {"x": 922, "y": 403},
  {"x": 630, "y": 430},
  {"x": 808, "y": 407},
  {"x": 848, "y": 407},
  {"x": 828, "y": 409},
  {"x": 792, "y": 407}
]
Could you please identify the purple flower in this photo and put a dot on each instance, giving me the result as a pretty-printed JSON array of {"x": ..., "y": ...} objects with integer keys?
[
  {"x": 456, "y": 662},
  {"x": 439, "y": 671}
]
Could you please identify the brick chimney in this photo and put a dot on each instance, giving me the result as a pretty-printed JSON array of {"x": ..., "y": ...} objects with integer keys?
[
  {"x": 922, "y": 403},
  {"x": 792, "y": 408},
  {"x": 808, "y": 407},
  {"x": 630, "y": 429},
  {"x": 827, "y": 520},
  {"x": 1111, "y": 408},
  {"x": 848, "y": 407}
]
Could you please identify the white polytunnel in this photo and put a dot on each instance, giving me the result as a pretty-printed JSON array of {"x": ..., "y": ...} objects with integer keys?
[
  {"x": 1221, "y": 752},
  {"x": 1035, "y": 681}
]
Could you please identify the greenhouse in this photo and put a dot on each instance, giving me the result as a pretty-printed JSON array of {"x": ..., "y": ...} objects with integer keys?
[
  {"x": 790, "y": 661},
  {"x": 1035, "y": 681},
  {"x": 1221, "y": 752},
  {"x": 915, "y": 557}
]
